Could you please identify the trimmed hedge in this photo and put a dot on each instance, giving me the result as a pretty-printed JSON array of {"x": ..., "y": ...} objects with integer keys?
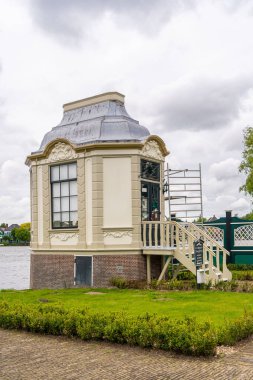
[
  {"x": 187, "y": 336},
  {"x": 184, "y": 336},
  {"x": 240, "y": 267}
]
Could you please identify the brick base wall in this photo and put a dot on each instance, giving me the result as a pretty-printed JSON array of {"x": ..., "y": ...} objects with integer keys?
[
  {"x": 51, "y": 271},
  {"x": 57, "y": 271},
  {"x": 131, "y": 267}
]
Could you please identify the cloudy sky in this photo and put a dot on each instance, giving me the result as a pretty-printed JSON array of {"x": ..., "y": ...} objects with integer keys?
[{"x": 185, "y": 66}]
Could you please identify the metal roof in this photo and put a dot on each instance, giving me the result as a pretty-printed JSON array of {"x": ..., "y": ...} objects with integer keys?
[{"x": 105, "y": 120}]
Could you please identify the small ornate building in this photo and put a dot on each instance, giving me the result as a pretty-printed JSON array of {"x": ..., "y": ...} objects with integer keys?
[{"x": 95, "y": 177}]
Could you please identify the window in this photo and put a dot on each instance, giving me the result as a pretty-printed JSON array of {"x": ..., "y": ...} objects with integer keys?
[
  {"x": 64, "y": 196},
  {"x": 150, "y": 190},
  {"x": 150, "y": 170}
]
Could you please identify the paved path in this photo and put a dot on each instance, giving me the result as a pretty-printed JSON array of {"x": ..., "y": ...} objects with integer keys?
[{"x": 26, "y": 356}]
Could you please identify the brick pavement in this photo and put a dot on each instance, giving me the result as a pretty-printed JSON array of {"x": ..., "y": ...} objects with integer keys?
[{"x": 26, "y": 356}]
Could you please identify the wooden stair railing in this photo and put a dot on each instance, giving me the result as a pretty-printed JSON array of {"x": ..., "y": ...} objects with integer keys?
[{"x": 178, "y": 240}]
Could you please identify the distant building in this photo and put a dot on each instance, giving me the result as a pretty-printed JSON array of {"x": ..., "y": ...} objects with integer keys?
[
  {"x": 7, "y": 230},
  {"x": 212, "y": 219}
]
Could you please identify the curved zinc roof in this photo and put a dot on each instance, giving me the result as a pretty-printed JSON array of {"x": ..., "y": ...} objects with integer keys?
[{"x": 101, "y": 118}]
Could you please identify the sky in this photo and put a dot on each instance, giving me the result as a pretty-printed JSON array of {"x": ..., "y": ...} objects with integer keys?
[{"x": 185, "y": 67}]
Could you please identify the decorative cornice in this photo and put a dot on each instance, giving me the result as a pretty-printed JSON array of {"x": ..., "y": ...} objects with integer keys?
[
  {"x": 80, "y": 149},
  {"x": 64, "y": 236},
  {"x": 151, "y": 149}
]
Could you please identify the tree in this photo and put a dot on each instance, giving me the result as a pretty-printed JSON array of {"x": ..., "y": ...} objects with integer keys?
[
  {"x": 200, "y": 220},
  {"x": 13, "y": 233},
  {"x": 23, "y": 234},
  {"x": 6, "y": 239},
  {"x": 246, "y": 165},
  {"x": 26, "y": 226},
  {"x": 3, "y": 225},
  {"x": 248, "y": 216}
]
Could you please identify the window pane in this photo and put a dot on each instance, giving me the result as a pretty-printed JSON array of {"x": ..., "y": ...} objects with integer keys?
[
  {"x": 63, "y": 172},
  {"x": 73, "y": 219},
  {"x": 64, "y": 189},
  {"x": 56, "y": 190},
  {"x": 150, "y": 170},
  {"x": 73, "y": 203},
  {"x": 65, "y": 204},
  {"x": 54, "y": 173},
  {"x": 56, "y": 205},
  {"x": 56, "y": 220},
  {"x": 65, "y": 219},
  {"x": 72, "y": 170},
  {"x": 73, "y": 188}
]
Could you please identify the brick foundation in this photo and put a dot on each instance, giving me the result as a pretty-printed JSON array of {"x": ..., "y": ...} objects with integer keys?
[
  {"x": 51, "y": 271},
  {"x": 57, "y": 271},
  {"x": 131, "y": 267}
]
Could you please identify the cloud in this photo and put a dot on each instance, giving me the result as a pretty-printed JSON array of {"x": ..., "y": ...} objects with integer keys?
[
  {"x": 11, "y": 212},
  {"x": 241, "y": 205},
  {"x": 70, "y": 19},
  {"x": 200, "y": 103},
  {"x": 226, "y": 169}
]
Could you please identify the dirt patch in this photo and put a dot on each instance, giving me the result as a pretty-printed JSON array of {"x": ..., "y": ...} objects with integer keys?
[
  {"x": 95, "y": 293},
  {"x": 164, "y": 299}
]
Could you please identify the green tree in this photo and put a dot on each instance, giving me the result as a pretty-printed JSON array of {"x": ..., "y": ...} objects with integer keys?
[
  {"x": 13, "y": 233},
  {"x": 26, "y": 225},
  {"x": 6, "y": 239},
  {"x": 248, "y": 216},
  {"x": 23, "y": 234},
  {"x": 3, "y": 225},
  {"x": 246, "y": 165},
  {"x": 200, "y": 220}
]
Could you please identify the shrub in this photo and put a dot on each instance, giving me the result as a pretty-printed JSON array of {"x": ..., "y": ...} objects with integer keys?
[
  {"x": 240, "y": 267},
  {"x": 119, "y": 282},
  {"x": 243, "y": 275},
  {"x": 235, "y": 331},
  {"x": 186, "y": 336}
]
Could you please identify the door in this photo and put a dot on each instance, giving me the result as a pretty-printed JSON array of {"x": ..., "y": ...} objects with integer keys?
[
  {"x": 150, "y": 201},
  {"x": 83, "y": 270},
  {"x": 150, "y": 209}
]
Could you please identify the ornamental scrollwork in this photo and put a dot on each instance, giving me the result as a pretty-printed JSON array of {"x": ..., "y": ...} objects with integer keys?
[
  {"x": 63, "y": 236},
  {"x": 61, "y": 152},
  {"x": 151, "y": 149},
  {"x": 117, "y": 234}
]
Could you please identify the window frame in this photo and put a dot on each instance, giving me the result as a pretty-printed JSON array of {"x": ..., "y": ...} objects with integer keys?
[{"x": 60, "y": 181}]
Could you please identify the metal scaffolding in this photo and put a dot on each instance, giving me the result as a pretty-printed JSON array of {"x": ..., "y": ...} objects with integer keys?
[{"x": 184, "y": 198}]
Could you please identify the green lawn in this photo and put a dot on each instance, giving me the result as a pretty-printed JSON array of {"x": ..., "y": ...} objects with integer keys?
[{"x": 205, "y": 305}]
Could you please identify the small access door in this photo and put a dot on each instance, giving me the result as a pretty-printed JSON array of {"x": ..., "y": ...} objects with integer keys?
[{"x": 83, "y": 270}]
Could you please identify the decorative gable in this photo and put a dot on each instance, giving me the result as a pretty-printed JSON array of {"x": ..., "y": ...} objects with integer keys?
[
  {"x": 151, "y": 149},
  {"x": 61, "y": 152}
]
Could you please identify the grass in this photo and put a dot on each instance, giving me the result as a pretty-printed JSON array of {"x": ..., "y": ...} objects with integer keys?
[{"x": 213, "y": 306}]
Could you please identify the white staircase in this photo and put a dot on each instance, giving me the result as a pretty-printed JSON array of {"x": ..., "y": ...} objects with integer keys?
[{"x": 176, "y": 240}]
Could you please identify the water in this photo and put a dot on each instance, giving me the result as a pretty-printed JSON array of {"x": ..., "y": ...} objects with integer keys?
[{"x": 14, "y": 267}]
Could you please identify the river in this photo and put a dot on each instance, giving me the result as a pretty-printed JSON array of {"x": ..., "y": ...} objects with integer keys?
[{"x": 14, "y": 267}]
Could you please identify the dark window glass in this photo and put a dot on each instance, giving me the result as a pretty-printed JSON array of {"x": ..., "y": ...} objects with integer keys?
[
  {"x": 150, "y": 170},
  {"x": 64, "y": 195}
]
